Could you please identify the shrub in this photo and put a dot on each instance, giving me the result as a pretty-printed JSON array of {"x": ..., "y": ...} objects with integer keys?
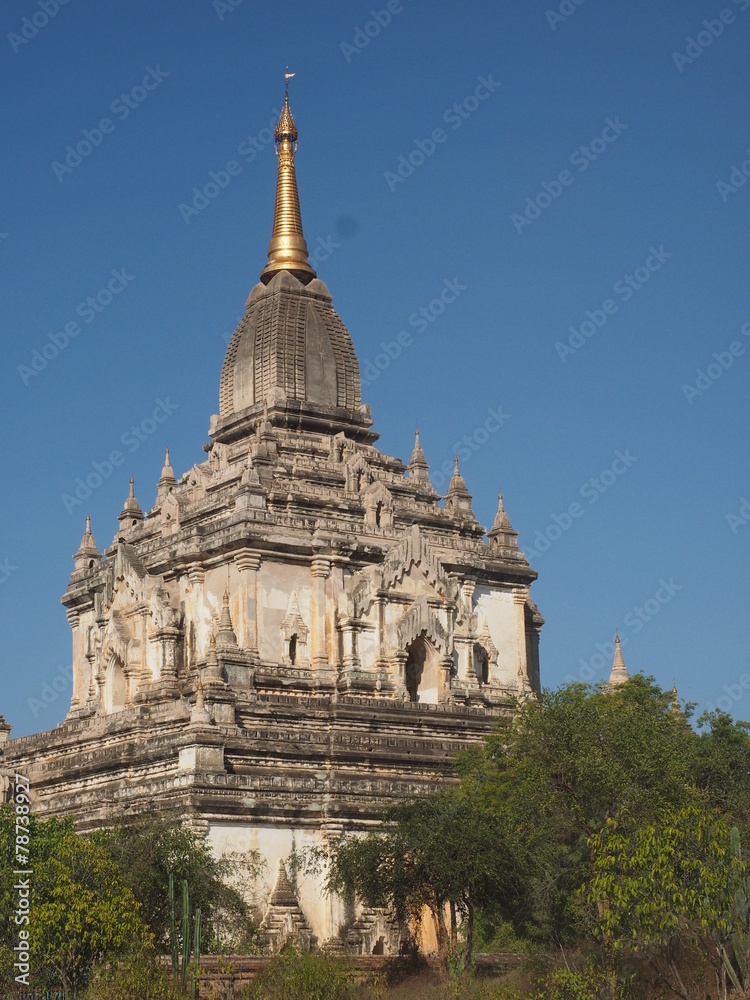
[
  {"x": 135, "y": 977},
  {"x": 566, "y": 985},
  {"x": 295, "y": 975}
]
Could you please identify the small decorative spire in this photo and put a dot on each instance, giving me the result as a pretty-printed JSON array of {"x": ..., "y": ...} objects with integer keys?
[
  {"x": 458, "y": 498},
  {"x": 457, "y": 480},
  {"x": 283, "y": 892},
  {"x": 501, "y": 518},
  {"x": 213, "y": 667},
  {"x": 287, "y": 250},
  {"x": 87, "y": 542},
  {"x": 675, "y": 706},
  {"x": 167, "y": 472},
  {"x": 501, "y": 536},
  {"x": 87, "y": 555},
  {"x": 200, "y": 714},
  {"x": 418, "y": 467},
  {"x": 131, "y": 511},
  {"x": 226, "y": 635},
  {"x": 167, "y": 481},
  {"x": 619, "y": 674}
]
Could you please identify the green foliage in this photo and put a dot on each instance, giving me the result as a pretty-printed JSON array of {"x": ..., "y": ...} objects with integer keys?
[
  {"x": 430, "y": 853},
  {"x": 196, "y": 952},
  {"x": 80, "y": 908},
  {"x": 173, "y": 929},
  {"x": 501, "y": 991},
  {"x": 185, "y": 926},
  {"x": 136, "y": 976},
  {"x": 736, "y": 957},
  {"x": 133, "y": 977},
  {"x": 150, "y": 849},
  {"x": 295, "y": 975},
  {"x": 567, "y": 985},
  {"x": 667, "y": 887},
  {"x": 721, "y": 766},
  {"x": 571, "y": 759},
  {"x": 664, "y": 882}
]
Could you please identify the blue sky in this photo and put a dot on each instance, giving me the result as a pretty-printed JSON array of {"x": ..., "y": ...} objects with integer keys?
[{"x": 560, "y": 165}]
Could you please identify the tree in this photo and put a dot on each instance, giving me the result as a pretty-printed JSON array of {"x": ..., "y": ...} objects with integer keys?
[
  {"x": 435, "y": 852},
  {"x": 666, "y": 886},
  {"x": 571, "y": 759},
  {"x": 80, "y": 910},
  {"x": 721, "y": 766},
  {"x": 149, "y": 849}
]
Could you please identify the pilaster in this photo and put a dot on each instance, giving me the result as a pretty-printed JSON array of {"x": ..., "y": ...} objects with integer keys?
[
  {"x": 248, "y": 564},
  {"x": 520, "y": 596},
  {"x": 321, "y": 566}
]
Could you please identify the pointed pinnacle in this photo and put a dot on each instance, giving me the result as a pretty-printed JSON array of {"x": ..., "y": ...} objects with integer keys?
[{"x": 287, "y": 250}]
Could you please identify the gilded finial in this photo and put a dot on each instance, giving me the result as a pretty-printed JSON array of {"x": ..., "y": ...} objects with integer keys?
[{"x": 287, "y": 250}]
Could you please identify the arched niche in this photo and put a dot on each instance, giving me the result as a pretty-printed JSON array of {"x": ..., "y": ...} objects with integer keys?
[
  {"x": 481, "y": 664},
  {"x": 422, "y": 671},
  {"x": 115, "y": 685}
]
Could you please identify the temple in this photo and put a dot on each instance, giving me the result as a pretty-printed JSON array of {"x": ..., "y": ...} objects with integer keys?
[{"x": 294, "y": 633}]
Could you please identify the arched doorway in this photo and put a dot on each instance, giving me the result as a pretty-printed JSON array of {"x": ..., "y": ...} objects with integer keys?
[{"x": 422, "y": 671}]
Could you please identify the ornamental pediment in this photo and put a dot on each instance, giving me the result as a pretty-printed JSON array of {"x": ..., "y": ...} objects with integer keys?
[{"x": 411, "y": 569}]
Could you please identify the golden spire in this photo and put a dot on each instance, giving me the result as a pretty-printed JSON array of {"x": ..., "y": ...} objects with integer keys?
[{"x": 287, "y": 250}]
